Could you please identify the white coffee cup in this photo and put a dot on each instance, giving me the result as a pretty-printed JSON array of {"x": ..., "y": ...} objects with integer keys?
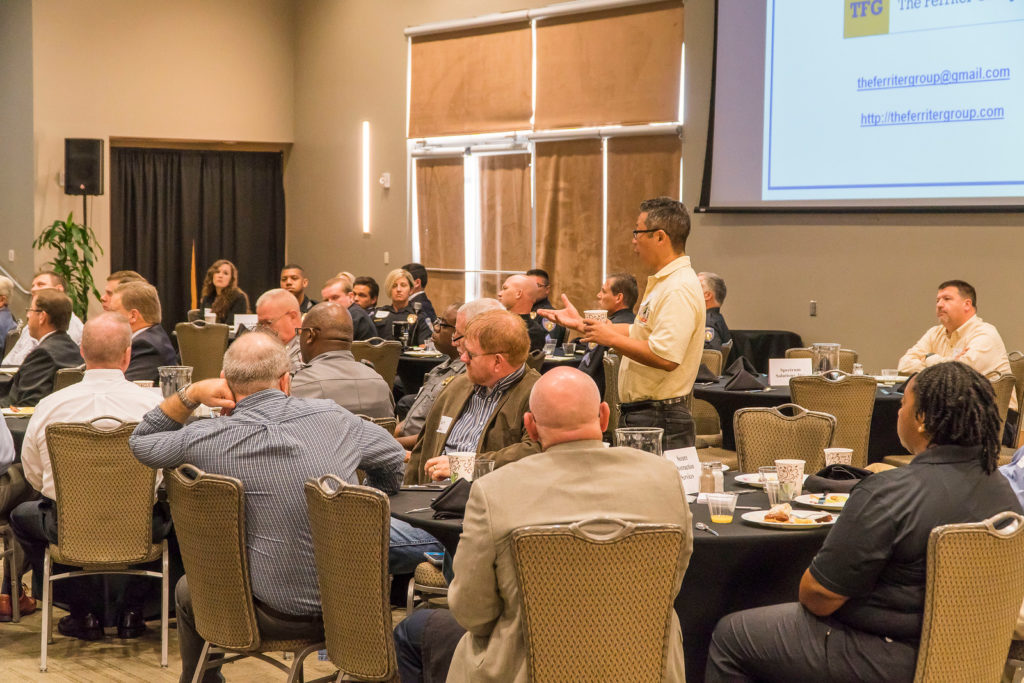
[
  {"x": 838, "y": 456},
  {"x": 461, "y": 465},
  {"x": 791, "y": 478}
]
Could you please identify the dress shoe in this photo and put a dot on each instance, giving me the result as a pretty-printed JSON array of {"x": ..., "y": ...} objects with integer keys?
[
  {"x": 86, "y": 628},
  {"x": 131, "y": 624},
  {"x": 26, "y": 604}
]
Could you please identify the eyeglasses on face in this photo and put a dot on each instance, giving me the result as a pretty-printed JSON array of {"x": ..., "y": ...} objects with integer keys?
[
  {"x": 644, "y": 232},
  {"x": 441, "y": 324},
  {"x": 268, "y": 323},
  {"x": 470, "y": 355}
]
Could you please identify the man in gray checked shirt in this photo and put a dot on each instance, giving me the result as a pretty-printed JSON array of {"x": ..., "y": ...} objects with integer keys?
[{"x": 273, "y": 443}]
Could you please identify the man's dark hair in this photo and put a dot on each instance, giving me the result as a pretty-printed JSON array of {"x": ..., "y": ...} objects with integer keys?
[
  {"x": 540, "y": 272},
  {"x": 56, "y": 279},
  {"x": 964, "y": 288},
  {"x": 56, "y": 305},
  {"x": 418, "y": 272},
  {"x": 669, "y": 215},
  {"x": 625, "y": 284},
  {"x": 958, "y": 405},
  {"x": 369, "y": 282},
  {"x": 294, "y": 266}
]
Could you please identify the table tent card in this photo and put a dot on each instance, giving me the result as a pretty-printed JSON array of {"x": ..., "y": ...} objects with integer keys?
[{"x": 780, "y": 370}]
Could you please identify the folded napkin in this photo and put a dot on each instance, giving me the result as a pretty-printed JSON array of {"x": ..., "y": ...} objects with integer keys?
[
  {"x": 836, "y": 479},
  {"x": 451, "y": 502},
  {"x": 743, "y": 381},
  {"x": 705, "y": 375},
  {"x": 741, "y": 363}
]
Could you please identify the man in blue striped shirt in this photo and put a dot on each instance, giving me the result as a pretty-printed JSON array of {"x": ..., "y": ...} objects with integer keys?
[{"x": 273, "y": 443}]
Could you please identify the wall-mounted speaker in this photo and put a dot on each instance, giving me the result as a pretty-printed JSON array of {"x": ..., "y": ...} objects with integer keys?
[{"x": 83, "y": 166}]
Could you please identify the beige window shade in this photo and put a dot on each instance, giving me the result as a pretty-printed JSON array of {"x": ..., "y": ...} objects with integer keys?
[
  {"x": 569, "y": 215},
  {"x": 505, "y": 225},
  {"x": 639, "y": 168},
  {"x": 618, "y": 66},
  {"x": 473, "y": 81},
  {"x": 441, "y": 215}
]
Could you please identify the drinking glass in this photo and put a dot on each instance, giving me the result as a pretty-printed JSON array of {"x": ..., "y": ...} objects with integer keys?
[
  {"x": 549, "y": 348},
  {"x": 890, "y": 375},
  {"x": 767, "y": 473},
  {"x": 569, "y": 348},
  {"x": 721, "y": 506},
  {"x": 771, "y": 488},
  {"x": 174, "y": 377},
  {"x": 644, "y": 438},
  {"x": 482, "y": 467}
]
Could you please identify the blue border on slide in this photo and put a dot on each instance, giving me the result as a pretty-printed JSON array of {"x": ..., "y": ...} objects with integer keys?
[{"x": 771, "y": 117}]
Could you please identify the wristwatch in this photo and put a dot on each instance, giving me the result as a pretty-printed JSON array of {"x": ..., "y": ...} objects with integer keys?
[{"x": 185, "y": 400}]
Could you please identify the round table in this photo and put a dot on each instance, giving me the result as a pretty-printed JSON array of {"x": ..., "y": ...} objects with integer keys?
[
  {"x": 744, "y": 566},
  {"x": 883, "y": 439}
]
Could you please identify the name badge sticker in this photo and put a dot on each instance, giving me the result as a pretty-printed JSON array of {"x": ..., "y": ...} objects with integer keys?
[{"x": 444, "y": 425}]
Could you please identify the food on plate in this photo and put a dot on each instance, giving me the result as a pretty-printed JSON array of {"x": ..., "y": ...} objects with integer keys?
[{"x": 779, "y": 513}]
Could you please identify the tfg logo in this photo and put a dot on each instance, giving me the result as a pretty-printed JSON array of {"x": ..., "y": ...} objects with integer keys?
[{"x": 865, "y": 18}]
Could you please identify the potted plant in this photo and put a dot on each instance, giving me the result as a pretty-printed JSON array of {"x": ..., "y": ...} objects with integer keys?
[{"x": 76, "y": 247}]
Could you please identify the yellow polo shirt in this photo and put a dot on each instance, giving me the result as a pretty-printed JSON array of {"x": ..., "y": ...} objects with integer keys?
[{"x": 671, "y": 321}]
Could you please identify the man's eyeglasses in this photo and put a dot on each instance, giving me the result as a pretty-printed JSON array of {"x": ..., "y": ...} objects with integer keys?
[
  {"x": 441, "y": 324},
  {"x": 470, "y": 355},
  {"x": 300, "y": 330},
  {"x": 644, "y": 232},
  {"x": 268, "y": 323}
]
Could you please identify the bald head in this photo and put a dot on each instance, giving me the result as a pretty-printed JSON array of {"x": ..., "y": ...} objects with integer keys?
[
  {"x": 565, "y": 405},
  {"x": 106, "y": 340},
  {"x": 518, "y": 293},
  {"x": 327, "y": 327}
]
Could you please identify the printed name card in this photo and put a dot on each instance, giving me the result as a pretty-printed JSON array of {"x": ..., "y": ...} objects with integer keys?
[
  {"x": 247, "y": 319},
  {"x": 688, "y": 464},
  {"x": 781, "y": 369}
]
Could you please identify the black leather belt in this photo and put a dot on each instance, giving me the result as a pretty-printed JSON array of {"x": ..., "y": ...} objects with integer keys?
[{"x": 637, "y": 405}]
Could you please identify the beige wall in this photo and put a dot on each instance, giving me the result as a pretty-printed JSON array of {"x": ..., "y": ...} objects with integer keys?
[
  {"x": 873, "y": 275},
  {"x": 188, "y": 69}
]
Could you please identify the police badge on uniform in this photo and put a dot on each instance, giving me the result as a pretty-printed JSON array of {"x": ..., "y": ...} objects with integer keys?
[
  {"x": 411, "y": 318},
  {"x": 709, "y": 334}
]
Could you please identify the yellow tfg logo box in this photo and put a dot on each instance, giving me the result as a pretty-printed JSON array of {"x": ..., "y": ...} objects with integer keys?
[{"x": 865, "y": 18}]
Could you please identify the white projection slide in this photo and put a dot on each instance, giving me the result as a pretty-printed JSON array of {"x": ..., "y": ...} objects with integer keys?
[{"x": 899, "y": 99}]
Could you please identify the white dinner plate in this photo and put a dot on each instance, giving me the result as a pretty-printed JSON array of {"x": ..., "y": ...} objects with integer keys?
[
  {"x": 18, "y": 412},
  {"x": 834, "y": 501},
  {"x": 757, "y": 517},
  {"x": 422, "y": 353},
  {"x": 752, "y": 479}
]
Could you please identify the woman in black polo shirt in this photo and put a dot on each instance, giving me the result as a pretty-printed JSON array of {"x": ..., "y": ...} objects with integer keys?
[
  {"x": 398, "y": 286},
  {"x": 862, "y": 599}
]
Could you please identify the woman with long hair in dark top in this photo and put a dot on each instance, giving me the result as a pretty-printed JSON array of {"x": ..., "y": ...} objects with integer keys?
[{"x": 221, "y": 293}]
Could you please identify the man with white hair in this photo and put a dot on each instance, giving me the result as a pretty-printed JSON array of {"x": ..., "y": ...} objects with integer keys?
[
  {"x": 567, "y": 418},
  {"x": 103, "y": 391},
  {"x": 517, "y": 295},
  {"x": 273, "y": 443},
  {"x": 45, "y": 279},
  {"x": 7, "y": 321},
  {"x": 277, "y": 310}
]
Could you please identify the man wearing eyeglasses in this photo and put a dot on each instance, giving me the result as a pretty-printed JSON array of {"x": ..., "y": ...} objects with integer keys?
[
  {"x": 482, "y": 410},
  {"x": 449, "y": 332},
  {"x": 277, "y": 311},
  {"x": 331, "y": 371},
  {"x": 661, "y": 350}
]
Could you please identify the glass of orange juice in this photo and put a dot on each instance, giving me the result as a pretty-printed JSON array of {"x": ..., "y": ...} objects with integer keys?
[{"x": 721, "y": 506}]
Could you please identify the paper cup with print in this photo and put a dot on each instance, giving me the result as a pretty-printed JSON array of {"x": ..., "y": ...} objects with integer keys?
[
  {"x": 791, "y": 478},
  {"x": 461, "y": 465},
  {"x": 838, "y": 456},
  {"x": 595, "y": 314}
]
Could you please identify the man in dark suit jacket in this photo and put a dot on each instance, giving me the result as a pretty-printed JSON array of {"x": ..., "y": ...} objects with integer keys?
[
  {"x": 419, "y": 285},
  {"x": 48, "y": 317},
  {"x": 617, "y": 296},
  {"x": 139, "y": 303},
  {"x": 339, "y": 290}
]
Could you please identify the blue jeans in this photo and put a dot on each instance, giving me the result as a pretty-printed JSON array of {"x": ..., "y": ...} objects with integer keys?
[{"x": 407, "y": 547}]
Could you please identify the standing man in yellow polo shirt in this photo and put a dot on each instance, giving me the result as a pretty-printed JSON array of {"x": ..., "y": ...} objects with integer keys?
[{"x": 661, "y": 350}]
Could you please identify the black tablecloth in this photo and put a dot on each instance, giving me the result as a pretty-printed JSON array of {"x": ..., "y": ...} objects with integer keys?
[
  {"x": 411, "y": 369},
  {"x": 18, "y": 426},
  {"x": 760, "y": 345},
  {"x": 745, "y": 566},
  {"x": 883, "y": 439}
]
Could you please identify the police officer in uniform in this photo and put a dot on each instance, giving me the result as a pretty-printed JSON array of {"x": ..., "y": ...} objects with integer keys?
[{"x": 716, "y": 332}]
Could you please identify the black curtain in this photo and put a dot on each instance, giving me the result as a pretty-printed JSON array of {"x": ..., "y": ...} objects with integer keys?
[{"x": 229, "y": 204}]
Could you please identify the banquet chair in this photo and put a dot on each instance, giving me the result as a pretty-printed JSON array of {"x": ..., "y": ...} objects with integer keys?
[
  {"x": 65, "y": 377},
  {"x": 350, "y": 526},
  {"x": 427, "y": 587},
  {"x": 194, "y": 314},
  {"x": 12, "y": 339},
  {"x": 1017, "y": 368},
  {"x": 104, "y": 513},
  {"x": 591, "y": 568},
  {"x": 11, "y": 567},
  {"x": 764, "y": 434},
  {"x": 707, "y": 424},
  {"x": 611, "y": 389},
  {"x": 847, "y": 357},
  {"x": 726, "y": 352},
  {"x": 383, "y": 354},
  {"x": 713, "y": 359},
  {"x": 849, "y": 398},
  {"x": 388, "y": 424},
  {"x": 209, "y": 520},
  {"x": 535, "y": 359},
  {"x": 202, "y": 346},
  {"x": 968, "y": 622},
  {"x": 1014, "y": 671}
]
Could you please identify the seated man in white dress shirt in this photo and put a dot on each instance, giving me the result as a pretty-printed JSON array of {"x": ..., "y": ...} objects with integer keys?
[
  {"x": 44, "y": 279},
  {"x": 106, "y": 347}
]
